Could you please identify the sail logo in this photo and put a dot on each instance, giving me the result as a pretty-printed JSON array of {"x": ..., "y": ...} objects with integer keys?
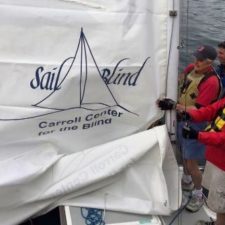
[
  {"x": 50, "y": 80},
  {"x": 87, "y": 87},
  {"x": 117, "y": 76}
]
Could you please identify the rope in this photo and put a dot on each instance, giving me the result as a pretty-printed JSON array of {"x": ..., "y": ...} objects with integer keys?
[
  {"x": 187, "y": 45},
  {"x": 93, "y": 216},
  {"x": 179, "y": 212},
  {"x": 169, "y": 50},
  {"x": 187, "y": 30},
  {"x": 167, "y": 67},
  {"x": 185, "y": 107}
]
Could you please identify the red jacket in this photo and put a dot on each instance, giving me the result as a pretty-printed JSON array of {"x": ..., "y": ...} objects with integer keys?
[{"x": 214, "y": 141}]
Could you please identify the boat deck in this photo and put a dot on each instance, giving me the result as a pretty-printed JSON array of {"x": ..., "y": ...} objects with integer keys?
[
  {"x": 183, "y": 218},
  {"x": 72, "y": 216}
]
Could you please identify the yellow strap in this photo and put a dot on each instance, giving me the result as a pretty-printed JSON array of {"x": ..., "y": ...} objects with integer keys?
[{"x": 219, "y": 123}]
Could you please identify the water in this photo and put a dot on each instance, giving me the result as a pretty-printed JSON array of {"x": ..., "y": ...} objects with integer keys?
[{"x": 206, "y": 25}]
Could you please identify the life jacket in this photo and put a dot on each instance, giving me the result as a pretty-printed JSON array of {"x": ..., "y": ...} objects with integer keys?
[
  {"x": 189, "y": 89},
  {"x": 218, "y": 123}
]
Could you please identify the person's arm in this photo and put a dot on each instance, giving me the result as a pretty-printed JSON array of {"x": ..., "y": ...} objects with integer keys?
[
  {"x": 181, "y": 108},
  {"x": 216, "y": 139},
  {"x": 212, "y": 138},
  {"x": 207, "y": 113}
]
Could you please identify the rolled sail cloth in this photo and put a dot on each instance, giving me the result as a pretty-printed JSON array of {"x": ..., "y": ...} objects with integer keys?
[{"x": 38, "y": 178}]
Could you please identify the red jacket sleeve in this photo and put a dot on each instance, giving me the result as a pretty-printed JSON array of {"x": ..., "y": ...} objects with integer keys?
[
  {"x": 207, "y": 113},
  {"x": 212, "y": 138}
]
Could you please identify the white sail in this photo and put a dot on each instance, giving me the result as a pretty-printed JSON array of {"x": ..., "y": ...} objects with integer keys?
[{"x": 67, "y": 131}]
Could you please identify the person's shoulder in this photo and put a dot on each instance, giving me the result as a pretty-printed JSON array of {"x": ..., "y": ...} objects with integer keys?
[
  {"x": 211, "y": 79},
  {"x": 211, "y": 76}
]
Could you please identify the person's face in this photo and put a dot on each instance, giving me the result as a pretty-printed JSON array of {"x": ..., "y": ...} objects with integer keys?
[
  {"x": 221, "y": 55},
  {"x": 201, "y": 65}
]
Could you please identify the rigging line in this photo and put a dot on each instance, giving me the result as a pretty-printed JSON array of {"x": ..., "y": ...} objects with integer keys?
[
  {"x": 187, "y": 30},
  {"x": 185, "y": 78},
  {"x": 167, "y": 72},
  {"x": 179, "y": 212},
  {"x": 183, "y": 162},
  {"x": 187, "y": 49},
  {"x": 186, "y": 58},
  {"x": 169, "y": 49},
  {"x": 168, "y": 62},
  {"x": 166, "y": 89},
  {"x": 181, "y": 43}
]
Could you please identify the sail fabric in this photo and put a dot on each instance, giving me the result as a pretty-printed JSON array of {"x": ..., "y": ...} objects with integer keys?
[
  {"x": 77, "y": 77},
  {"x": 73, "y": 71},
  {"x": 135, "y": 174}
]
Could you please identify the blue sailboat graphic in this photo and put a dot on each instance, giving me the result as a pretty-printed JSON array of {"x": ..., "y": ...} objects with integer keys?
[{"x": 80, "y": 85}]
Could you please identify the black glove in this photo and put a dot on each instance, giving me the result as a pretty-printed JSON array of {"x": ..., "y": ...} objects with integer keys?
[
  {"x": 166, "y": 104},
  {"x": 184, "y": 116},
  {"x": 189, "y": 132}
]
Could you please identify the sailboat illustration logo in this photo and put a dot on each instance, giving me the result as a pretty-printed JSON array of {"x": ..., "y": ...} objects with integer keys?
[{"x": 86, "y": 88}]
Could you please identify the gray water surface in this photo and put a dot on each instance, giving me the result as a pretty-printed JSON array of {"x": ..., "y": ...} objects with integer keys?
[{"x": 206, "y": 25}]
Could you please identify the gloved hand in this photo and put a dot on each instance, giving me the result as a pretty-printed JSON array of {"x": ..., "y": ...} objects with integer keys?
[
  {"x": 184, "y": 116},
  {"x": 189, "y": 132},
  {"x": 166, "y": 104}
]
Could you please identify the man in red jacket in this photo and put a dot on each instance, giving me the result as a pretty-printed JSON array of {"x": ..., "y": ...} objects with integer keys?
[
  {"x": 214, "y": 139},
  {"x": 200, "y": 87}
]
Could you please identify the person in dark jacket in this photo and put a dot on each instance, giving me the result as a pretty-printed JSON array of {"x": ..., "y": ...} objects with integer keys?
[{"x": 220, "y": 69}]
